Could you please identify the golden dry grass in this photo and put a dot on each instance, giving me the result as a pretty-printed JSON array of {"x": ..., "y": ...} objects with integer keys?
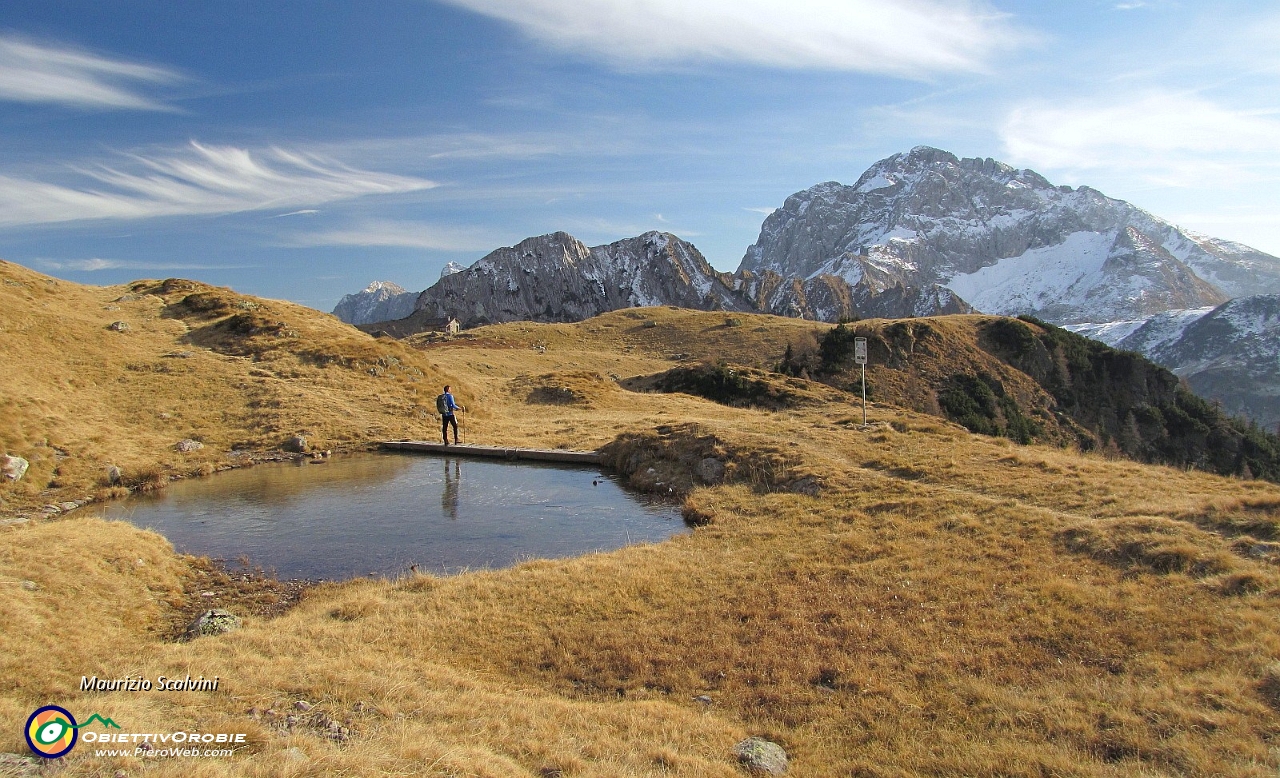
[{"x": 947, "y": 604}]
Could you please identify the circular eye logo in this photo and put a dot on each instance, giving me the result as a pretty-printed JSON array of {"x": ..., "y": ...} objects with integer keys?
[{"x": 51, "y": 731}]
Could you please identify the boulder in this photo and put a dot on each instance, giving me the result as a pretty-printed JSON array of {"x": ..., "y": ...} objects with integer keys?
[
  {"x": 711, "y": 471},
  {"x": 13, "y": 468},
  {"x": 296, "y": 444},
  {"x": 119, "y": 326},
  {"x": 213, "y": 622},
  {"x": 187, "y": 445},
  {"x": 114, "y": 476},
  {"x": 808, "y": 485},
  {"x": 761, "y": 756}
]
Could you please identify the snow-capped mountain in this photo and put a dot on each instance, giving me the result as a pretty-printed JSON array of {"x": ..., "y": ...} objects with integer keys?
[
  {"x": 1230, "y": 353},
  {"x": 379, "y": 301},
  {"x": 1005, "y": 240}
]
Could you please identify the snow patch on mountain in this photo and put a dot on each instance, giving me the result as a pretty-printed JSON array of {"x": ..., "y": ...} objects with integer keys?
[
  {"x": 878, "y": 181},
  {"x": 1110, "y": 333},
  {"x": 1161, "y": 330},
  {"x": 1036, "y": 278}
]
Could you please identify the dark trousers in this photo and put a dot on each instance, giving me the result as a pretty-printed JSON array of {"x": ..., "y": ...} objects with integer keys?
[{"x": 445, "y": 421}]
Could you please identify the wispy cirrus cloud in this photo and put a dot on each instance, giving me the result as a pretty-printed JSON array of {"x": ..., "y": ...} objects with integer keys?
[
  {"x": 908, "y": 38},
  {"x": 196, "y": 180},
  {"x": 94, "y": 264},
  {"x": 397, "y": 234},
  {"x": 33, "y": 72},
  {"x": 1171, "y": 139}
]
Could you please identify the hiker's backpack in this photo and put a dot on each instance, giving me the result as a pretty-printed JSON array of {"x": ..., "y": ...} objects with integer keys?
[{"x": 442, "y": 405}]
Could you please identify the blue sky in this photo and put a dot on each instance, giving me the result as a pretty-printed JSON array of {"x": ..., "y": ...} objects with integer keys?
[{"x": 300, "y": 150}]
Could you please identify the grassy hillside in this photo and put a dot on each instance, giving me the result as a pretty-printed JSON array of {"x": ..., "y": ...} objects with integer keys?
[
  {"x": 907, "y": 599},
  {"x": 1030, "y": 381}
]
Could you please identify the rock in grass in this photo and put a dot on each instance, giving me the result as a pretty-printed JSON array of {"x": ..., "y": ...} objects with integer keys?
[
  {"x": 296, "y": 444},
  {"x": 761, "y": 756},
  {"x": 213, "y": 622},
  {"x": 119, "y": 326},
  {"x": 807, "y": 485},
  {"x": 711, "y": 471},
  {"x": 187, "y": 445},
  {"x": 114, "y": 476},
  {"x": 13, "y": 468}
]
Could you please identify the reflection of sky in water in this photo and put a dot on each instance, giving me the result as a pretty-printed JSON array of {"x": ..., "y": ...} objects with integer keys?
[{"x": 381, "y": 513}]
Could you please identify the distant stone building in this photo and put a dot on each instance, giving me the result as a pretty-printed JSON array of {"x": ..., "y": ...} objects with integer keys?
[{"x": 452, "y": 327}]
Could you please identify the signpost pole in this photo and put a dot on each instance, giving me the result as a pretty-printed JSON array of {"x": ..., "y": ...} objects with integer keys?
[
  {"x": 860, "y": 356},
  {"x": 864, "y": 395}
]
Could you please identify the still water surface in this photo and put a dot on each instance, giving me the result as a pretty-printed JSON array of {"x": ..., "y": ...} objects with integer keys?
[{"x": 378, "y": 514}]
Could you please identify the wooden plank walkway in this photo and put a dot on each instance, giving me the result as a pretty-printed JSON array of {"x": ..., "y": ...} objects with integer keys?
[{"x": 496, "y": 452}]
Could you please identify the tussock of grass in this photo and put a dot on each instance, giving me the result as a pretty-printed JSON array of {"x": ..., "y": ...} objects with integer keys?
[
  {"x": 947, "y": 603},
  {"x": 1155, "y": 544}
]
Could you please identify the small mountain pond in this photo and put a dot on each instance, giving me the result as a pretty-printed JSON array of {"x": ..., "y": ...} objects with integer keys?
[{"x": 377, "y": 514}]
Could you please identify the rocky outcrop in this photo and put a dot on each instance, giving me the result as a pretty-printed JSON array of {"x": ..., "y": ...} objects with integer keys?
[
  {"x": 379, "y": 301},
  {"x": 1005, "y": 240},
  {"x": 831, "y": 298},
  {"x": 13, "y": 468},
  {"x": 213, "y": 622}
]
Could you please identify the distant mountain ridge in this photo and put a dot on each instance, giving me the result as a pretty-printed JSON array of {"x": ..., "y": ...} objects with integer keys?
[
  {"x": 1005, "y": 240},
  {"x": 1227, "y": 353},
  {"x": 919, "y": 233},
  {"x": 557, "y": 278}
]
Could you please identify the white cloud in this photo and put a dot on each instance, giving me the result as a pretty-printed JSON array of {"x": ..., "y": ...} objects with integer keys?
[
  {"x": 95, "y": 264},
  {"x": 764, "y": 210},
  {"x": 1172, "y": 139},
  {"x": 31, "y": 72},
  {"x": 196, "y": 180},
  {"x": 911, "y": 38},
  {"x": 397, "y": 234}
]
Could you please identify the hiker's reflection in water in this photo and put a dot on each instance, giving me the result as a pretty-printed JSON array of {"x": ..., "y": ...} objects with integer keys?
[{"x": 449, "y": 497}]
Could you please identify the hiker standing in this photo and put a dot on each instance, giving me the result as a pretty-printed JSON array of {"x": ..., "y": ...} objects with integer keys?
[{"x": 446, "y": 405}]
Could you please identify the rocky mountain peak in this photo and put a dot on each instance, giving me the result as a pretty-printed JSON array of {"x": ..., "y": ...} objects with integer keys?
[
  {"x": 384, "y": 288},
  {"x": 1004, "y": 239},
  {"x": 379, "y": 301},
  {"x": 555, "y": 247}
]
